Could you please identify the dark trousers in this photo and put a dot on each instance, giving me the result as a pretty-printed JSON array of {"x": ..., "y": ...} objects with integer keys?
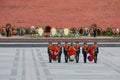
[
  {"x": 59, "y": 58},
  {"x": 50, "y": 59},
  {"x": 66, "y": 57},
  {"x": 60, "y": 55},
  {"x": 77, "y": 56},
  {"x": 85, "y": 57},
  {"x": 95, "y": 57}
]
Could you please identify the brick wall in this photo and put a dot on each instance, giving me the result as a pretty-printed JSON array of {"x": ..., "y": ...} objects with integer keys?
[{"x": 60, "y": 13}]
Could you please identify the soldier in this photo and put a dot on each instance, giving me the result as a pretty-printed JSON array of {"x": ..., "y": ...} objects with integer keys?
[
  {"x": 84, "y": 48},
  {"x": 60, "y": 51},
  {"x": 77, "y": 47},
  {"x": 66, "y": 47},
  {"x": 96, "y": 51},
  {"x": 49, "y": 51}
]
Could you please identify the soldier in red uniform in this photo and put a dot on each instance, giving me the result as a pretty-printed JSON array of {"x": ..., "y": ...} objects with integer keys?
[
  {"x": 84, "y": 48},
  {"x": 96, "y": 51},
  {"x": 50, "y": 51},
  {"x": 66, "y": 48},
  {"x": 77, "y": 47},
  {"x": 59, "y": 51}
]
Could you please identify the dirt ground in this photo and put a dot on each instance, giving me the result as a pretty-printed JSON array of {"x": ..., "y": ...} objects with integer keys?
[{"x": 60, "y": 13}]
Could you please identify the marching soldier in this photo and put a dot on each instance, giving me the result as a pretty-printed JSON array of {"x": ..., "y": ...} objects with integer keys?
[
  {"x": 77, "y": 47},
  {"x": 60, "y": 51},
  {"x": 96, "y": 51},
  {"x": 66, "y": 47},
  {"x": 49, "y": 51},
  {"x": 84, "y": 48}
]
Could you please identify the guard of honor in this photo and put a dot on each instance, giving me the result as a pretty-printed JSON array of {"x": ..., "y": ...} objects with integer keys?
[{"x": 72, "y": 49}]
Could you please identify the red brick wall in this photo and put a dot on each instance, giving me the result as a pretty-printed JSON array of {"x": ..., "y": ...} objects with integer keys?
[{"x": 60, "y": 13}]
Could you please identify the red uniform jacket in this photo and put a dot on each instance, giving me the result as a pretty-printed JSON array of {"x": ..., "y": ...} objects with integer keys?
[
  {"x": 72, "y": 51},
  {"x": 54, "y": 53}
]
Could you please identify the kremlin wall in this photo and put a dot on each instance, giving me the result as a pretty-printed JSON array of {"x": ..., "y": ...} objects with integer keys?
[{"x": 60, "y": 13}]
